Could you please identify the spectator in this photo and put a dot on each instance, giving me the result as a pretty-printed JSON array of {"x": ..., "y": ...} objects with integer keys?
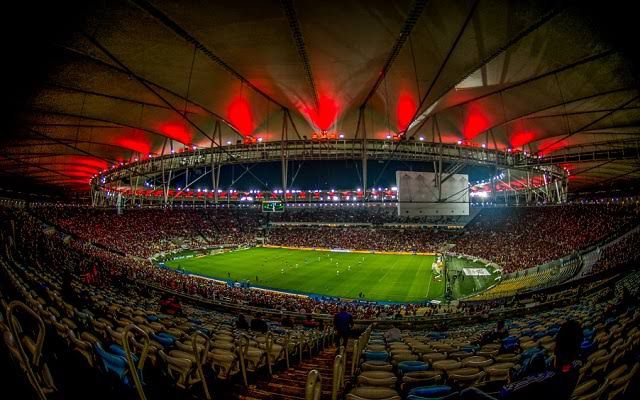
[
  {"x": 241, "y": 322},
  {"x": 558, "y": 379},
  {"x": 343, "y": 323},
  {"x": 499, "y": 333},
  {"x": 287, "y": 322},
  {"x": 170, "y": 305},
  {"x": 258, "y": 324},
  {"x": 393, "y": 334},
  {"x": 309, "y": 322}
]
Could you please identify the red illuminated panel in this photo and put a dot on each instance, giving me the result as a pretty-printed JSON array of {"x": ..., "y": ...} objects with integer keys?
[
  {"x": 176, "y": 131},
  {"x": 406, "y": 109},
  {"x": 325, "y": 115},
  {"x": 522, "y": 138},
  {"x": 475, "y": 123},
  {"x": 240, "y": 116}
]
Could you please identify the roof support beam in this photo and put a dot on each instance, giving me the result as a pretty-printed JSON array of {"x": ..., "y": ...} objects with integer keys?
[
  {"x": 550, "y": 107},
  {"x": 108, "y": 96},
  {"x": 180, "y": 31},
  {"x": 298, "y": 39},
  {"x": 444, "y": 62},
  {"x": 69, "y": 141},
  {"x": 591, "y": 168},
  {"x": 614, "y": 178},
  {"x": 115, "y": 59},
  {"x": 119, "y": 124},
  {"x": 45, "y": 136},
  {"x": 620, "y": 107},
  {"x": 32, "y": 165},
  {"x": 524, "y": 33},
  {"x": 547, "y": 74},
  {"x": 123, "y": 71},
  {"x": 412, "y": 17}
]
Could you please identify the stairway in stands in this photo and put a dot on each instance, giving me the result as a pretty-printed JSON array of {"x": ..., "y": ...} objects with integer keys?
[{"x": 290, "y": 384}]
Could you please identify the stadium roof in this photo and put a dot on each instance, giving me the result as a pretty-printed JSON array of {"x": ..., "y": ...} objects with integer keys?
[{"x": 130, "y": 78}]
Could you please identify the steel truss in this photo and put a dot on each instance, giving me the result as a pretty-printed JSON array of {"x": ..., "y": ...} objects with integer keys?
[{"x": 127, "y": 179}]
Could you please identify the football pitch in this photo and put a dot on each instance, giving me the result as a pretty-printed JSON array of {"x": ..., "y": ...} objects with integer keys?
[{"x": 380, "y": 277}]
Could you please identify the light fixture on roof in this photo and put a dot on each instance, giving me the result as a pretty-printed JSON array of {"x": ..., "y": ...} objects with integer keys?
[
  {"x": 459, "y": 142},
  {"x": 260, "y": 139},
  {"x": 422, "y": 138}
]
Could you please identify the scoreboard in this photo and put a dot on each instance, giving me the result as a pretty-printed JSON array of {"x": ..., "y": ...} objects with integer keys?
[{"x": 272, "y": 206}]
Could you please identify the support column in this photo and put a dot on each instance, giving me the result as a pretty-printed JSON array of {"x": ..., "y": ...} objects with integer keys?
[
  {"x": 365, "y": 163},
  {"x": 283, "y": 157},
  {"x": 214, "y": 168},
  {"x": 493, "y": 185},
  {"x": 529, "y": 190},
  {"x": 165, "y": 185}
]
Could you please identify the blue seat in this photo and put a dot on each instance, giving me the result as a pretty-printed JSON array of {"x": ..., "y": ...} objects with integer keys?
[
  {"x": 588, "y": 333},
  {"x": 538, "y": 335},
  {"x": 532, "y": 350},
  {"x": 437, "y": 335},
  {"x": 510, "y": 343},
  {"x": 412, "y": 366},
  {"x": 152, "y": 318},
  {"x": 587, "y": 347},
  {"x": 117, "y": 350},
  {"x": 203, "y": 330},
  {"x": 376, "y": 356},
  {"x": 470, "y": 348},
  {"x": 553, "y": 330},
  {"x": 164, "y": 339},
  {"x": 113, "y": 363},
  {"x": 429, "y": 392}
]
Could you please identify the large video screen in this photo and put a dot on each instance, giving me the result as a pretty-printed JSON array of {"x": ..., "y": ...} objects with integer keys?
[
  {"x": 419, "y": 195},
  {"x": 273, "y": 206}
]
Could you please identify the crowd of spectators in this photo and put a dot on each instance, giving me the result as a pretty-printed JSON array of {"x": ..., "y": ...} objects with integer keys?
[
  {"x": 381, "y": 239},
  {"x": 101, "y": 266},
  {"x": 515, "y": 238},
  {"x": 145, "y": 232},
  {"x": 518, "y": 238},
  {"x": 622, "y": 253},
  {"x": 375, "y": 214}
]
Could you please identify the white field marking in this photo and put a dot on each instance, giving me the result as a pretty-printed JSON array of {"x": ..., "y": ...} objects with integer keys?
[
  {"x": 429, "y": 286},
  {"x": 389, "y": 270}
]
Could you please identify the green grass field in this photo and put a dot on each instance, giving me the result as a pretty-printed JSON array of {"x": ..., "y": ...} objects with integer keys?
[{"x": 380, "y": 277}]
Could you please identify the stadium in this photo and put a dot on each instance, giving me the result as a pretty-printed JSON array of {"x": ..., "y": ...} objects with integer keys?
[{"x": 296, "y": 200}]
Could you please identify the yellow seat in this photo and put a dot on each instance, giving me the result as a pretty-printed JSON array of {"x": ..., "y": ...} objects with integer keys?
[
  {"x": 372, "y": 393},
  {"x": 376, "y": 378}
]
